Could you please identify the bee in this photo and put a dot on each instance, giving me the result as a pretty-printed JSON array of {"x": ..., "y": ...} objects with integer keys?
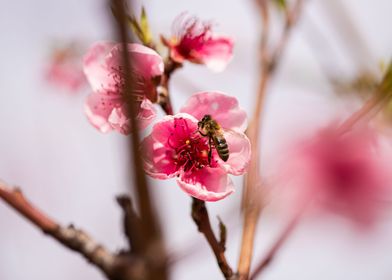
[{"x": 210, "y": 128}]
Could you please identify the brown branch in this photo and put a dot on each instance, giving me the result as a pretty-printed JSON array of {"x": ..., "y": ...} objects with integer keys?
[
  {"x": 251, "y": 197},
  {"x": 152, "y": 240},
  {"x": 202, "y": 220},
  {"x": 132, "y": 225},
  {"x": 269, "y": 60},
  {"x": 115, "y": 267}
]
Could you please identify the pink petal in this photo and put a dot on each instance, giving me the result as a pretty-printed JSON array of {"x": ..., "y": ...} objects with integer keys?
[
  {"x": 147, "y": 113},
  {"x": 157, "y": 162},
  {"x": 222, "y": 107},
  {"x": 95, "y": 67},
  {"x": 68, "y": 75},
  {"x": 216, "y": 53},
  {"x": 158, "y": 155},
  {"x": 208, "y": 184},
  {"x": 239, "y": 152},
  {"x": 144, "y": 61},
  {"x": 99, "y": 107},
  {"x": 119, "y": 120},
  {"x": 163, "y": 129}
]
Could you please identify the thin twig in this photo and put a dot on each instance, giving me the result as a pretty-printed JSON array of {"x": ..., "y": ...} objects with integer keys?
[
  {"x": 269, "y": 60},
  {"x": 377, "y": 102},
  {"x": 163, "y": 90},
  {"x": 115, "y": 267},
  {"x": 189, "y": 248},
  {"x": 202, "y": 220},
  {"x": 291, "y": 20}
]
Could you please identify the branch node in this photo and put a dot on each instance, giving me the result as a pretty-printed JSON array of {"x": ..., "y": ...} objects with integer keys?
[{"x": 200, "y": 216}]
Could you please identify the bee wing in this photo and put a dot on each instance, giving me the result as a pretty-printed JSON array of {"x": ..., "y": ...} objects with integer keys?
[{"x": 239, "y": 152}]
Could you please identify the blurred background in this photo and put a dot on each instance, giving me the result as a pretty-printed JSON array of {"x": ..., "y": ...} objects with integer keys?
[{"x": 70, "y": 170}]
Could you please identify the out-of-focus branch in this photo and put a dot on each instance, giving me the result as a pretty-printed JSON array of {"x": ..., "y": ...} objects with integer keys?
[
  {"x": 202, "y": 220},
  {"x": 352, "y": 40},
  {"x": 115, "y": 267},
  {"x": 152, "y": 240},
  {"x": 382, "y": 95},
  {"x": 379, "y": 99},
  {"x": 269, "y": 60},
  {"x": 291, "y": 19},
  {"x": 280, "y": 241}
]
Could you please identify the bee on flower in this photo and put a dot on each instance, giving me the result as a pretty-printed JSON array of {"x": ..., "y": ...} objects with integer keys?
[{"x": 176, "y": 148}]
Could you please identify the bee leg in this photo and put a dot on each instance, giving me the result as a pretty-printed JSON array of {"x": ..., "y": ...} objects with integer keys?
[
  {"x": 202, "y": 134},
  {"x": 209, "y": 151}
]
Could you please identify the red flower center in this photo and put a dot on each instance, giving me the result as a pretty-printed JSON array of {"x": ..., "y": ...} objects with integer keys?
[{"x": 189, "y": 149}]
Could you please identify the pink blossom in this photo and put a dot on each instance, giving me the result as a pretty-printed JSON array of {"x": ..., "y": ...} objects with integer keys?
[
  {"x": 224, "y": 109},
  {"x": 106, "y": 107},
  {"x": 343, "y": 172},
  {"x": 65, "y": 69},
  {"x": 175, "y": 148},
  {"x": 193, "y": 40}
]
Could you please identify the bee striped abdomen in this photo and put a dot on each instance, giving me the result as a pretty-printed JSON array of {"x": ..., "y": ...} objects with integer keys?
[
  {"x": 210, "y": 128},
  {"x": 221, "y": 147}
]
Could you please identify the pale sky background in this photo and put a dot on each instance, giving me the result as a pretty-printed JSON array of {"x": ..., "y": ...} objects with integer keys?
[{"x": 73, "y": 172}]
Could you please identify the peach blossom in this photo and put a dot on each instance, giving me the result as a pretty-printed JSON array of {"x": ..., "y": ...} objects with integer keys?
[
  {"x": 175, "y": 148},
  {"x": 344, "y": 173},
  {"x": 106, "y": 107},
  {"x": 193, "y": 40}
]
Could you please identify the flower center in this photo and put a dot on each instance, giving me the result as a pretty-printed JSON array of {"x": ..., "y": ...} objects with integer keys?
[
  {"x": 141, "y": 86},
  {"x": 189, "y": 148}
]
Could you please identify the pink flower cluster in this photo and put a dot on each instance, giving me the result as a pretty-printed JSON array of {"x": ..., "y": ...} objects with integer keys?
[
  {"x": 175, "y": 148},
  {"x": 106, "y": 108}
]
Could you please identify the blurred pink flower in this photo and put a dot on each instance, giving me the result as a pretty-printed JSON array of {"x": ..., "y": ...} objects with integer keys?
[
  {"x": 193, "y": 40},
  {"x": 65, "y": 69},
  {"x": 176, "y": 148},
  {"x": 343, "y": 172},
  {"x": 106, "y": 106}
]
